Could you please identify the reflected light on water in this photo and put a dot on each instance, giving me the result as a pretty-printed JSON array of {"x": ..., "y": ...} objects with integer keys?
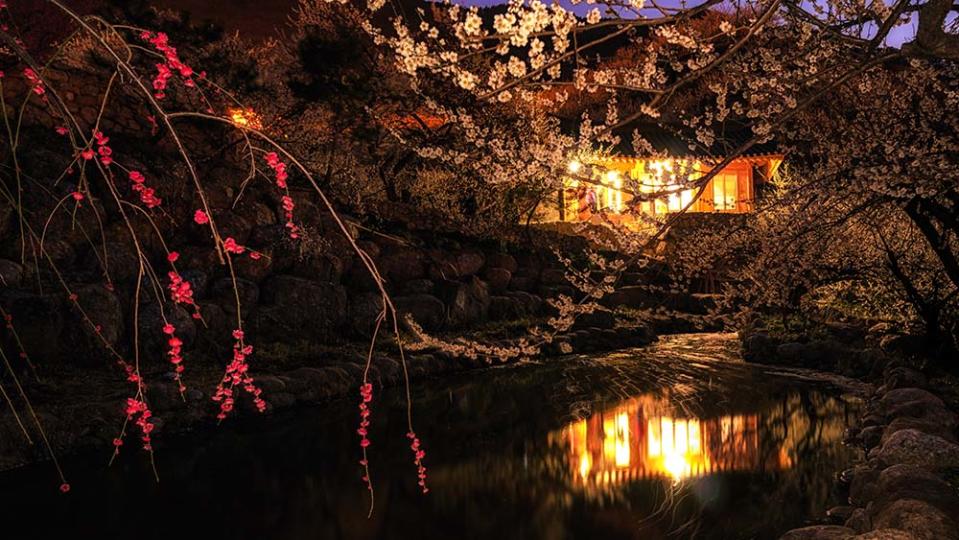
[{"x": 640, "y": 439}]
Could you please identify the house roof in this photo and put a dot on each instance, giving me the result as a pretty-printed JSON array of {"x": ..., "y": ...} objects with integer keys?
[{"x": 680, "y": 143}]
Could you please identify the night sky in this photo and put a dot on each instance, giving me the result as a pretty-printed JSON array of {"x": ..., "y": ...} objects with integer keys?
[
  {"x": 258, "y": 19},
  {"x": 261, "y": 18}
]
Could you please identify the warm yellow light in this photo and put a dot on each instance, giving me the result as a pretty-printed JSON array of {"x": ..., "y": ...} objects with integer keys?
[
  {"x": 574, "y": 167},
  {"x": 622, "y": 440},
  {"x": 678, "y": 466},
  {"x": 613, "y": 190},
  {"x": 245, "y": 118},
  {"x": 585, "y": 464}
]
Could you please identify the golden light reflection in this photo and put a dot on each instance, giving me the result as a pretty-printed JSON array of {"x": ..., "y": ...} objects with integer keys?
[
  {"x": 641, "y": 439},
  {"x": 245, "y": 118}
]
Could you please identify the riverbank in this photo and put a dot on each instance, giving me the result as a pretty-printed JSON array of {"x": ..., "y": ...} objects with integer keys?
[
  {"x": 907, "y": 487},
  {"x": 290, "y": 375}
]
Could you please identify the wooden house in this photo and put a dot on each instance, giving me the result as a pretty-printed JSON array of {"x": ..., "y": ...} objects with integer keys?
[{"x": 623, "y": 190}]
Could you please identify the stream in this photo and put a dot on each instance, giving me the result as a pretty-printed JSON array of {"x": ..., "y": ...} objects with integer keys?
[{"x": 680, "y": 439}]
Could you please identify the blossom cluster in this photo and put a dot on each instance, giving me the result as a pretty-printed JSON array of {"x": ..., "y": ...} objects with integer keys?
[
  {"x": 36, "y": 83},
  {"x": 279, "y": 168},
  {"x": 175, "y": 354},
  {"x": 418, "y": 455},
  {"x": 366, "y": 394},
  {"x": 230, "y": 245},
  {"x": 171, "y": 64},
  {"x": 275, "y": 163},
  {"x": 147, "y": 194},
  {"x": 288, "y": 214},
  {"x": 139, "y": 413},
  {"x": 237, "y": 375},
  {"x": 103, "y": 150},
  {"x": 181, "y": 292}
]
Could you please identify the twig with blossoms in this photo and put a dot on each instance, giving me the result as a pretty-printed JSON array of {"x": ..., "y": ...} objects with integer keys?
[
  {"x": 171, "y": 64},
  {"x": 366, "y": 396},
  {"x": 237, "y": 374},
  {"x": 279, "y": 169},
  {"x": 363, "y": 256}
]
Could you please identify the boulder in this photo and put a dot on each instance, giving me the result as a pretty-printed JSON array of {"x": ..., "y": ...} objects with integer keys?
[
  {"x": 104, "y": 311},
  {"x": 871, "y": 436},
  {"x": 364, "y": 309},
  {"x": 858, "y": 363},
  {"x": 257, "y": 212},
  {"x": 469, "y": 263},
  {"x": 553, "y": 276},
  {"x": 916, "y": 403},
  {"x": 402, "y": 265},
  {"x": 840, "y": 514},
  {"x": 913, "y": 447},
  {"x": 359, "y": 278},
  {"x": 859, "y": 520},
  {"x": 427, "y": 310},
  {"x": 418, "y": 286},
  {"x": 38, "y": 320},
  {"x": 505, "y": 308},
  {"x": 323, "y": 266},
  {"x": 933, "y": 427},
  {"x": 903, "y": 377},
  {"x": 275, "y": 240},
  {"x": 913, "y": 482},
  {"x": 759, "y": 348},
  {"x": 502, "y": 260},
  {"x": 164, "y": 396},
  {"x": 151, "y": 321},
  {"x": 255, "y": 270},
  {"x": 899, "y": 343},
  {"x": 790, "y": 353},
  {"x": 862, "y": 484},
  {"x": 11, "y": 273},
  {"x": 633, "y": 296},
  {"x": 885, "y": 534},
  {"x": 223, "y": 294},
  {"x": 388, "y": 369},
  {"x": 601, "y": 318},
  {"x": 234, "y": 225},
  {"x": 270, "y": 384},
  {"x": 467, "y": 303},
  {"x": 199, "y": 257},
  {"x": 63, "y": 253},
  {"x": 304, "y": 308},
  {"x": 372, "y": 249},
  {"x": 442, "y": 267},
  {"x": 532, "y": 304},
  {"x": 199, "y": 282},
  {"x": 498, "y": 278},
  {"x": 897, "y": 397},
  {"x": 818, "y": 532},
  {"x": 217, "y": 325},
  {"x": 123, "y": 261},
  {"x": 522, "y": 283},
  {"x": 919, "y": 518}
]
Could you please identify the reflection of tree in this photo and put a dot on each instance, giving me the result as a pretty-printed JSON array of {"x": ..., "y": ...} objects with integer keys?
[{"x": 500, "y": 461}]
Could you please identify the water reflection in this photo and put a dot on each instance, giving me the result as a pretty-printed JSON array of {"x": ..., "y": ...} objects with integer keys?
[
  {"x": 637, "y": 440},
  {"x": 640, "y": 445}
]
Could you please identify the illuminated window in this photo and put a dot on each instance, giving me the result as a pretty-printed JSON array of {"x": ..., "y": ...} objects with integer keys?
[
  {"x": 725, "y": 192},
  {"x": 614, "y": 193}
]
